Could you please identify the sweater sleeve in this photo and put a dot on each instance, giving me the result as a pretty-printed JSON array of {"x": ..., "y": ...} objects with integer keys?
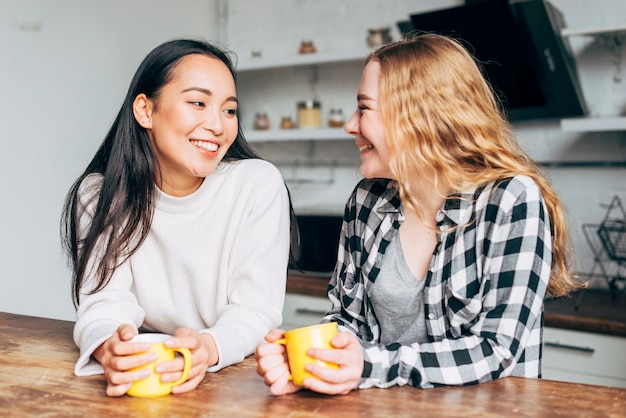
[
  {"x": 258, "y": 269},
  {"x": 99, "y": 314}
]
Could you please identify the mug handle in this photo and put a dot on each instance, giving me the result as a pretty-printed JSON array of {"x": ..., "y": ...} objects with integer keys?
[
  {"x": 187, "y": 368},
  {"x": 283, "y": 342}
]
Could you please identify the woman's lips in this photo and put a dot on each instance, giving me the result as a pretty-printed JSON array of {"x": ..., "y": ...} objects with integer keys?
[{"x": 205, "y": 145}]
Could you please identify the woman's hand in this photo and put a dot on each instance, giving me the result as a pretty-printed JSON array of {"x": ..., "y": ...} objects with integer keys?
[
  {"x": 272, "y": 365},
  {"x": 203, "y": 354},
  {"x": 348, "y": 354},
  {"x": 117, "y": 356}
]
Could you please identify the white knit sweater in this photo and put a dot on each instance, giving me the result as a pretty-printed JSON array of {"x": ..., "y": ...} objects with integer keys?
[{"x": 214, "y": 261}]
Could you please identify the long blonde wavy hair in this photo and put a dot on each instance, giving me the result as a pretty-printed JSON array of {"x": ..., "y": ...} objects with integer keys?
[{"x": 442, "y": 119}]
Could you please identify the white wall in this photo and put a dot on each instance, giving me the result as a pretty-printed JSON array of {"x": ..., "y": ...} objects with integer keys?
[
  {"x": 64, "y": 69},
  {"x": 65, "y": 66}
]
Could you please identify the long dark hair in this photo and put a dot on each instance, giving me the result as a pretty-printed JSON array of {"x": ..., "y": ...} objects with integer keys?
[{"x": 123, "y": 215}]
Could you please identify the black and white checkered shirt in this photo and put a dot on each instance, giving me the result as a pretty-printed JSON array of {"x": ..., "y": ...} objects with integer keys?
[{"x": 484, "y": 290}]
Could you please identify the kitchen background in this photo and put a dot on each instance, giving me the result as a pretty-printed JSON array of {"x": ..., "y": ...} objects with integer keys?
[{"x": 66, "y": 65}]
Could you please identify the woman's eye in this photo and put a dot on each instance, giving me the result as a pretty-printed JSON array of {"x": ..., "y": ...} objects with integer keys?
[
  {"x": 231, "y": 112},
  {"x": 197, "y": 103}
]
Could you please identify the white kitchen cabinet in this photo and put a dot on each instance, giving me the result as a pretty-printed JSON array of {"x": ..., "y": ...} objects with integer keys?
[
  {"x": 303, "y": 310},
  {"x": 582, "y": 357}
]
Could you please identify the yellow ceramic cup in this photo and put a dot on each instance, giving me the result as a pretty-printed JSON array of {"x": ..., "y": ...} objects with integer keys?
[
  {"x": 151, "y": 386},
  {"x": 298, "y": 341}
]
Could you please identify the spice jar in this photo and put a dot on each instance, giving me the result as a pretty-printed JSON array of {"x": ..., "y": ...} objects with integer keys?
[
  {"x": 307, "y": 47},
  {"x": 377, "y": 37},
  {"x": 286, "y": 122},
  {"x": 261, "y": 121},
  {"x": 335, "y": 118},
  {"x": 309, "y": 115}
]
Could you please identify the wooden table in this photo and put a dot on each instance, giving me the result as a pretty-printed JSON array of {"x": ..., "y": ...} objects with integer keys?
[{"x": 36, "y": 379}]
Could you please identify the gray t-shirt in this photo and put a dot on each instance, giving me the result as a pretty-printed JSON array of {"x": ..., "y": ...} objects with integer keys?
[{"x": 398, "y": 299}]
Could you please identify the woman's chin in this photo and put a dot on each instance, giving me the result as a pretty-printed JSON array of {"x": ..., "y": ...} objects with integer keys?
[
  {"x": 368, "y": 173},
  {"x": 373, "y": 173}
]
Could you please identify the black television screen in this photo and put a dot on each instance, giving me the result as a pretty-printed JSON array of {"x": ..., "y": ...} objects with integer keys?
[{"x": 521, "y": 51}]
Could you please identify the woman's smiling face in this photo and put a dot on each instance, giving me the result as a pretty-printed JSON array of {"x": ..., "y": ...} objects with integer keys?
[
  {"x": 192, "y": 122},
  {"x": 367, "y": 127}
]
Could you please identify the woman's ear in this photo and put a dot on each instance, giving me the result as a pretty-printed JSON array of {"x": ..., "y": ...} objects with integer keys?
[{"x": 142, "y": 109}]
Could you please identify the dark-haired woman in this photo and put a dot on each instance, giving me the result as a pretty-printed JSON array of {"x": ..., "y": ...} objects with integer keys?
[{"x": 176, "y": 226}]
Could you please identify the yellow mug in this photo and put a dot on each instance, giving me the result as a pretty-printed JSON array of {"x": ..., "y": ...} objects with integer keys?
[
  {"x": 298, "y": 341},
  {"x": 151, "y": 386}
]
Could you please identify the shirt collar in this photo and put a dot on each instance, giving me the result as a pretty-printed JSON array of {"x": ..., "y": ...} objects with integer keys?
[
  {"x": 389, "y": 200},
  {"x": 459, "y": 207}
]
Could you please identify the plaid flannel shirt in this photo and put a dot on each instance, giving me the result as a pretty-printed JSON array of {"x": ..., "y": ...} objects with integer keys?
[{"x": 484, "y": 290}]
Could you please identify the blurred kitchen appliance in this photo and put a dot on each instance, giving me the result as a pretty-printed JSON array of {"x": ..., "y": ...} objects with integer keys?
[
  {"x": 319, "y": 242},
  {"x": 519, "y": 44}
]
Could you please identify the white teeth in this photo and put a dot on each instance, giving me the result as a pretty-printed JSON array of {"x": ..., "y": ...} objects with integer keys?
[
  {"x": 209, "y": 146},
  {"x": 365, "y": 147}
]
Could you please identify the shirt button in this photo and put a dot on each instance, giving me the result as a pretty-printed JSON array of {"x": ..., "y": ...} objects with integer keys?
[
  {"x": 442, "y": 227},
  {"x": 431, "y": 316},
  {"x": 439, "y": 216}
]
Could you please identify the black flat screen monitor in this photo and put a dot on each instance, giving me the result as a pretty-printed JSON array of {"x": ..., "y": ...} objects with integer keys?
[{"x": 524, "y": 57}]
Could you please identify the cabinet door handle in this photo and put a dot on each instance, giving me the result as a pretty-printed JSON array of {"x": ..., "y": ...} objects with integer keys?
[
  {"x": 570, "y": 347},
  {"x": 305, "y": 311}
]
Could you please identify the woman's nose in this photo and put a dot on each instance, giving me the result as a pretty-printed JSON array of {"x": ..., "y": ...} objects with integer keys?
[
  {"x": 213, "y": 122},
  {"x": 352, "y": 126}
]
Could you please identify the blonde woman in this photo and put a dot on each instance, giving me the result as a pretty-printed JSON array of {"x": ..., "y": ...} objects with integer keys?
[{"x": 448, "y": 245}]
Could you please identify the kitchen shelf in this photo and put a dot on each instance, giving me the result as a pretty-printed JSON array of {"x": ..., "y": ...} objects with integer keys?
[
  {"x": 593, "y": 31},
  {"x": 598, "y": 124},
  {"x": 261, "y": 63},
  {"x": 297, "y": 135},
  {"x": 249, "y": 66}
]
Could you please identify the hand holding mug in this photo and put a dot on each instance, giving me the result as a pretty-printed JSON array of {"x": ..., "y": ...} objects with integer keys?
[
  {"x": 282, "y": 363},
  {"x": 277, "y": 372},
  {"x": 272, "y": 365},
  {"x": 347, "y": 353},
  {"x": 118, "y": 356},
  {"x": 152, "y": 385},
  {"x": 299, "y": 341}
]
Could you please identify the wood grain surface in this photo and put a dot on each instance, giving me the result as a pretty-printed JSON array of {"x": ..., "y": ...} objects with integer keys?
[{"x": 37, "y": 380}]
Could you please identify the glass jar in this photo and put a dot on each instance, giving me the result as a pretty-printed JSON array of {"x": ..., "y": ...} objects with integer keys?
[
  {"x": 286, "y": 122},
  {"x": 261, "y": 121},
  {"x": 335, "y": 118},
  {"x": 377, "y": 37},
  {"x": 309, "y": 114}
]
